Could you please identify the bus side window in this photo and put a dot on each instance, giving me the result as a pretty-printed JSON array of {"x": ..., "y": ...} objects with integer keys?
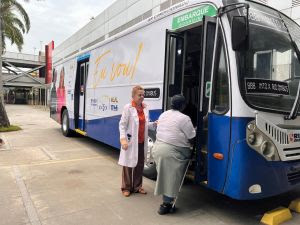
[
  {"x": 220, "y": 89},
  {"x": 82, "y": 78},
  {"x": 54, "y": 76},
  {"x": 87, "y": 70}
]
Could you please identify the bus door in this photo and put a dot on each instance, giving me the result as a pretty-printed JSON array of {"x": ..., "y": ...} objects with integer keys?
[
  {"x": 183, "y": 75},
  {"x": 182, "y": 68},
  {"x": 207, "y": 48},
  {"x": 174, "y": 66},
  {"x": 80, "y": 94},
  {"x": 219, "y": 113}
]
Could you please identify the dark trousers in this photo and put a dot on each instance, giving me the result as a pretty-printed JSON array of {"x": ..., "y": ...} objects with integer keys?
[
  {"x": 167, "y": 199},
  {"x": 132, "y": 178}
]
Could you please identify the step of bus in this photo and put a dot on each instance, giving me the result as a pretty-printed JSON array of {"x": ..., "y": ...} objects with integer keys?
[{"x": 80, "y": 132}]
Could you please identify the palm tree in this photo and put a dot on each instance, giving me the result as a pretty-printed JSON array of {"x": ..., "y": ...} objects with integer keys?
[{"x": 14, "y": 22}]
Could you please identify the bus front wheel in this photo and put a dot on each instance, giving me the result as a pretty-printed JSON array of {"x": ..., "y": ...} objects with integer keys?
[{"x": 65, "y": 128}]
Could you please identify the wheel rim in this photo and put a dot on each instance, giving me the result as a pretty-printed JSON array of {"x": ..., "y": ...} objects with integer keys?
[{"x": 65, "y": 123}]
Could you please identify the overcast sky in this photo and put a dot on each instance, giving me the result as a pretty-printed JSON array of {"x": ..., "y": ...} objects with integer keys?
[{"x": 57, "y": 20}]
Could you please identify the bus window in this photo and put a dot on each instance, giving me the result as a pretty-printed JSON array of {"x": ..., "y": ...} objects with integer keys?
[
  {"x": 263, "y": 64},
  {"x": 82, "y": 78},
  {"x": 177, "y": 63},
  {"x": 54, "y": 76},
  {"x": 220, "y": 94},
  {"x": 87, "y": 69},
  {"x": 174, "y": 64}
]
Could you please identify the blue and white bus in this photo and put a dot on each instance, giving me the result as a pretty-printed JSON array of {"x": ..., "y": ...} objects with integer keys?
[{"x": 237, "y": 64}]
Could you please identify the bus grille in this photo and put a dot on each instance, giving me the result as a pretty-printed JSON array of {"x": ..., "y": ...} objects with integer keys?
[
  {"x": 294, "y": 177},
  {"x": 286, "y": 140},
  {"x": 290, "y": 152},
  {"x": 281, "y": 137}
]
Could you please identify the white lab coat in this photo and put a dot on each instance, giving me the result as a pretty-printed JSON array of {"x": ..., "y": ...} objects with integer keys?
[{"x": 129, "y": 124}]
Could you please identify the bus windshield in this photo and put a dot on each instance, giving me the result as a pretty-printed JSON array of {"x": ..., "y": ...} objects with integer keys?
[{"x": 269, "y": 71}]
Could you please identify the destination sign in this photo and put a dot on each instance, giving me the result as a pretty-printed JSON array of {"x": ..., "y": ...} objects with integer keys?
[{"x": 261, "y": 86}]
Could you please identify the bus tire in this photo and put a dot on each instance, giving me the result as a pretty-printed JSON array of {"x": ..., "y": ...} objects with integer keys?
[
  {"x": 65, "y": 124},
  {"x": 150, "y": 167},
  {"x": 150, "y": 171}
]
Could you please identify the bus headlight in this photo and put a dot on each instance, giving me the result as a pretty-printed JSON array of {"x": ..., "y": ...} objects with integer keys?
[
  {"x": 251, "y": 127},
  {"x": 268, "y": 150},
  {"x": 251, "y": 139},
  {"x": 262, "y": 144}
]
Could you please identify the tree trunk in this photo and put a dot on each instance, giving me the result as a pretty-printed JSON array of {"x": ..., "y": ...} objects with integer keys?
[{"x": 4, "y": 122}]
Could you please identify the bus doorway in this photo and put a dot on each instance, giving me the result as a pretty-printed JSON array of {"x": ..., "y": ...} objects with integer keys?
[
  {"x": 188, "y": 62},
  {"x": 80, "y": 94},
  {"x": 183, "y": 68}
]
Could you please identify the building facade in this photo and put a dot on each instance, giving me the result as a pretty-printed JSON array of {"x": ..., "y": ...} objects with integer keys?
[{"x": 23, "y": 78}]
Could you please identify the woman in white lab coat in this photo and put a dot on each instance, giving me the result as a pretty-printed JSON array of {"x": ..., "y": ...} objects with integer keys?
[{"x": 133, "y": 129}]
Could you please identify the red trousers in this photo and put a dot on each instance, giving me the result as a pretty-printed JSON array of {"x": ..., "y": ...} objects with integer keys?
[{"x": 132, "y": 178}]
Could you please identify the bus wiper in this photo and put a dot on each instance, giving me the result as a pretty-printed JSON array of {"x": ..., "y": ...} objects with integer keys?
[
  {"x": 295, "y": 109},
  {"x": 294, "y": 112},
  {"x": 297, "y": 51}
]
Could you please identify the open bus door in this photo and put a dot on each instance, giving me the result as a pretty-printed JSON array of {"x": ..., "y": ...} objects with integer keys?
[
  {"x": 219, "y": 111},
  {"x": 207, "y": 43},
  {"x": 174, "y": 66},
  {"x": 80, "y": 95},
  {"x": 188, "y": 69}
]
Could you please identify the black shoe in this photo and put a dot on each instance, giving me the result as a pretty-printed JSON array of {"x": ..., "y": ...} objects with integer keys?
[{"x": 165, "y": 208}]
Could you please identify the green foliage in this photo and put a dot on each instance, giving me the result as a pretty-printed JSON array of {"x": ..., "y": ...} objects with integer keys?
[
  {"x": 10, "y": 128},
  {"x": 15, "y": 22}
]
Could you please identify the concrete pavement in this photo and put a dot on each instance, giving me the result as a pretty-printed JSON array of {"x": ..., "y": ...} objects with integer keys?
[{"x": 48, "y": 179}]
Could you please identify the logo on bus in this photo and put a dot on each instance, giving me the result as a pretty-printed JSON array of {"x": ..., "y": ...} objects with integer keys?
[
  {"x": 106, "y": 103},
  {"x": 294, "y": 137},
  {"x": 114, "y": 104},
  {"x": 103, "y": 107},
  {"x": 125, "y": 69}
]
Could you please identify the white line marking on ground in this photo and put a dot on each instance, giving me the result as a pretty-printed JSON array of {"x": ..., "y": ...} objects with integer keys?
[
  {"x": 59, "y": 161},
  {"x": 115, "y": 213},
  {"x": 49, "y": 154},
  {"x": 29, "y": 206}
]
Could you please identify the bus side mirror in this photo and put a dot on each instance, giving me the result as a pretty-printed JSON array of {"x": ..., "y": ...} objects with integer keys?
[{"x": 239, "y": 33}]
